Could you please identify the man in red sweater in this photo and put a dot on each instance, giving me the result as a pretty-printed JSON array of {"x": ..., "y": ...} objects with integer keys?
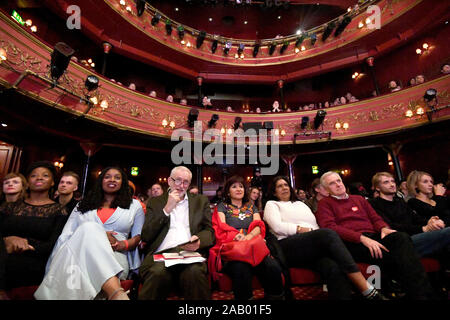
[{"x": 370, "y": 239}]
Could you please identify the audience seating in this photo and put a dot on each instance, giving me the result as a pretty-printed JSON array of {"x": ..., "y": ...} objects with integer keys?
[{"x": 299, "y": 276}]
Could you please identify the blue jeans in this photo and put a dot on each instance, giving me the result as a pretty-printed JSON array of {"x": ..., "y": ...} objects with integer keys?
[{"x": 431, "y": 242}]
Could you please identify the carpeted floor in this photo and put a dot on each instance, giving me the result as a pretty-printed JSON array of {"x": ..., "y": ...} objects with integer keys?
[{"x": 300, "y": 293}]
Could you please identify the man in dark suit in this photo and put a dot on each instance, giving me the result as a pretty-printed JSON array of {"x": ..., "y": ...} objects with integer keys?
[{"x": 172, "y": 219}]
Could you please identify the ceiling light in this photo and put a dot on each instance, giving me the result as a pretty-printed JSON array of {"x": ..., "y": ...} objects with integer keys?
[
  {"x": 4, "y": 125},
  {"x": 156, "y": 19},
  {"x": 210, "y": 19},
  {"x": 168, "y": 27},
  {"x": 176, "y": 9},
  {"x": 418, "y": 51},
  {"x": 328, "y": 30},
  {"x": 29, "y": 22},
  {"x": 299, "y": 32},
  {"x": 214, "y": 46},
  {"x": 313, "y": 39},
  {"x": 200, "y": 39},
  {"x": 140, "y": 7},
  {"x": 33, "y": 29},
  {"x": 425, "y": 46},
  {"x": 272, "y": 47},
  {"x": 256, "y": 49},
  {"x": 318, "y": 120},
  {"x": 245, "y": 22},
  {"x": 180, "y": 32}
]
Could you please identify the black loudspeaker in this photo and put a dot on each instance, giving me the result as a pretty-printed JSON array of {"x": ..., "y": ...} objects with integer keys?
[
  {"x": 252, "y": 125},
  {"x": 60, "y": 59},
  {"x": 268, "y": 125}
]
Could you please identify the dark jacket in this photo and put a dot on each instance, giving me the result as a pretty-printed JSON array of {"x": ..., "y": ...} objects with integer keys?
[{"x": 156, "y": 225}]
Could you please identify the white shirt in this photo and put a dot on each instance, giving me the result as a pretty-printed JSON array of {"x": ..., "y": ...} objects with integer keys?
[
  {"x": 179, "y": 231},
  {"x": 283, "y": 217}
]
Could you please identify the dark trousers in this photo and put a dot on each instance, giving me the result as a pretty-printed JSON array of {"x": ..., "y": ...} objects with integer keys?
[
  {"x": 401, "y": 262},
  {"x": 158, "y": 281},
  {"x": 323, "y": 251},
  {"x": 268, "y": 273}
]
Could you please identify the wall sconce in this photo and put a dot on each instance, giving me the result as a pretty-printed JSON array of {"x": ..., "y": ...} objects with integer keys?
[
  {"x": 164, "y": 123},
  {"x": 425, "y": 48},
  {"x": 104, "y": 104},
  {"x": 341, "y": 125},
  {"x": 58, "y": 164},
  {"x": 3, "y": 55},
  {"x": 122, "y": 2}
]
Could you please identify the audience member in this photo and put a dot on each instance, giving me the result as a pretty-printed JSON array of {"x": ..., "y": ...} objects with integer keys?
[
  {"x": 206, "y": 102},
  {"x": 132, "y": 86},
  {"x": 193, "y": 189},
  {"x": 306, "y": 246},
  {"x": 152, "y": 94},
  {"x": 326, "y": 104},
  {"x": 394, "y": 86},
  {"x": 230, "y": 109},
  {"x": 445, "y": 69},
  {"x": 370, "y": 239},
  {"x": 255, "y": 197},
  {"x": 342, "y": 100},
  {"x": 258, "y": 110},
  {"x": 403, "y": 191},
  {"x": 412, "y": 82},
  {"x": 95, "y": 242},
  {"x": 237, "y": 219},
  {"x": 183, "y": 102},
  {"x": 155, "y": 191},
  {"x": 67, "y": 185},
  {"x": 169, "y": 98},
  {"x": 174, "y": 219},
  {"x": 29, "y": 229},
  {"x": 420, "y": 79},
  {"x": 14, "y": 188},
  {"x": 219, "y": 196},
  {"x": 428, "y": 236},
  {"x": 276, "y": 106},
  {"x": 427, "y": 199},
  {"x": 301, "y": 195},
  {"x": 319, "y": 192}
]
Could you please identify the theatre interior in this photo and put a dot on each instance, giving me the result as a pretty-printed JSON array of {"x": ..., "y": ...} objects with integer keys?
[{"x": 355, "y": 87}]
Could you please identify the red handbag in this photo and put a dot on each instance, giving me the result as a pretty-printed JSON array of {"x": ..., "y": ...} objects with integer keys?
[{"x": 251, "y": 251}]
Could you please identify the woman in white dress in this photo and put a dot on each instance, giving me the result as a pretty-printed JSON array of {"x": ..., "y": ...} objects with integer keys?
[{"x": 94, "y": 251}]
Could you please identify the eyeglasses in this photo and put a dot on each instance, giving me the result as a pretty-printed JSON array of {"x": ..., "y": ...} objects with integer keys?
[{"x": 178, "y": 182}]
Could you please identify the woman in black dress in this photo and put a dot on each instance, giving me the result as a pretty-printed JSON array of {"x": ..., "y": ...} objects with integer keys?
[{"x": 29, "y": 230}]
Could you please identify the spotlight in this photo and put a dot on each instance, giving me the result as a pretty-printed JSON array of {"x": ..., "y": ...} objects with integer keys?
[
  {"x": 156, "y": 19},
  {"x": 313, "y": 39},
  {"x": 305, "y": 121},
  {"x": 213, "y": 121},
  {"x": 430, "y": 94},
  {"x": 214, "y": 46},
  {"x": 140, "y": 7},
  {"x": 344, "y": 23},
  {"x": 237, "y": 123},
  {"x": 284, "y": 47},
  {"x": 318, "y": 120},
  {"x": 168, "y": 27},
  {"x": 256, "y": 49},
  {"x": 272, "y": 47},
  {"x": 227, "y": 47},
  {"x": 200, "y": 39},
  {"x": 180, "y": 32},
  {"x": 91, "y": 83},
  {"x": 328, "y": 30},
  {"x": 299, "y": 41},
  {"x": 241, "y": 49},
  {"x": 192, "y": 117},
  {"x": 60, "y": 60}
]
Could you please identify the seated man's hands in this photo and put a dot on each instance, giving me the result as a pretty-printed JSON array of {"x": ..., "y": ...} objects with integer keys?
[
  {"x": 375, "y": 247},
  {"x": 193, "y": 245}
]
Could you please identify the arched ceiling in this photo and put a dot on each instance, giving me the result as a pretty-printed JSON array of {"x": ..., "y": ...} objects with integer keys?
[{"x": 101, "y": 22}]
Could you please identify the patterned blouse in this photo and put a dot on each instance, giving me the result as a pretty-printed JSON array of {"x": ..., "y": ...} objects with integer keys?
[{"x": 239, "y": 218}]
